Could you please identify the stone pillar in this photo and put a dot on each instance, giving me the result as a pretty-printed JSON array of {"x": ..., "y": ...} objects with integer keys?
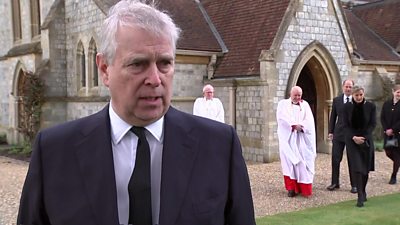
[
  {"x": 232, "y": 106},
  {"x": 269, "y": 77}
]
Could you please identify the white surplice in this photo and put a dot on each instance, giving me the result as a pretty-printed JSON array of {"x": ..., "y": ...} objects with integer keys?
[
  {"x": 211, "y": 109},
  {"x": 297, "y": 150}
]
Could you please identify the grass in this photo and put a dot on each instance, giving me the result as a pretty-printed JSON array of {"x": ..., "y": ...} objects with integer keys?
[{"x": 377, "y": 210}]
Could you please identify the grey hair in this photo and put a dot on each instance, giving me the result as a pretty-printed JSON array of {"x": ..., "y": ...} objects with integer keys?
[
  {"x": 139, "y": 14},
  {"x": 357, "y": 89},
  {"x": 207, "y": 86},
  {"x": 296, "y": 88}
]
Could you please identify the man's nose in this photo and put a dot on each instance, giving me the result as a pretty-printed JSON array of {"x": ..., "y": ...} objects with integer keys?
[{"x": 153, "y": 75}]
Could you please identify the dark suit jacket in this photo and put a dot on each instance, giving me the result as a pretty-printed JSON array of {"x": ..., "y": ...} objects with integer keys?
[
  {"x": 71, "y": 175},
  {"x": 336, "y": 126},
  {"x": 362, "y": 158}
]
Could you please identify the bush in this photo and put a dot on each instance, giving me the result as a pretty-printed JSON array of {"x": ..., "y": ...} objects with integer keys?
[{"x": 3, "y": 139}]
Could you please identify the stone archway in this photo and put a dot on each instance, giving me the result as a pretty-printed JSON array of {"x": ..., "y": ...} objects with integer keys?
[
  {"x": 16, "y": 105},
  {"x": 316, "y": 72}
]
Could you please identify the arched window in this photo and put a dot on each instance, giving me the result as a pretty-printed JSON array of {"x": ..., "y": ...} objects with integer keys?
[
  {"x": 93, "y": 73},
  {"x": 16, "y": 16},
  {"x": 35, "y": 17},
  {"x": 80, "y": 66}
]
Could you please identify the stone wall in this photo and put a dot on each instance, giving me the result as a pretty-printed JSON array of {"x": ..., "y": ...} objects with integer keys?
[
  {"x": 250, "y": 119},
  {"x": 6, "y": 31}
]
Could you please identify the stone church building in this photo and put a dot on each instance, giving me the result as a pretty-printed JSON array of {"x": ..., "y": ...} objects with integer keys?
[{"x": 252, "y": 52}]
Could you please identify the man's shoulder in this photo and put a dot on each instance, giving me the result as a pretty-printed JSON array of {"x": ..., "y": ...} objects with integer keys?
[
  {"x": 185, "y": 119},
  {"x": 338, "y": 98},
  {"x": 283, "y": 101}
]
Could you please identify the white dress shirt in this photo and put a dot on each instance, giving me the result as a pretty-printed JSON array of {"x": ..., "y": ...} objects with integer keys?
[
  {"x": 124, "y": 145},
  {"x": 345, "y": 98}
]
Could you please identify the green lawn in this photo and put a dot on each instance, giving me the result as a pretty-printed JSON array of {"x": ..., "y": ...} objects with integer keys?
[{"x": 383, "y": 210}]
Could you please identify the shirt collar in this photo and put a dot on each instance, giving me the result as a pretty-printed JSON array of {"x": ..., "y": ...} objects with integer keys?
[
  {"x": 119, "y": 127},
  {"x": 344, "y": 98}
]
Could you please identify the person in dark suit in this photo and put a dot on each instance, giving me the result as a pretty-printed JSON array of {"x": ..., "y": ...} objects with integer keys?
[
  {"x": 81, "y": 172},
  {"x": 336, "y": 134},
  {"x": 359, "y": 120},
  {"x": 390, "y": 119}
]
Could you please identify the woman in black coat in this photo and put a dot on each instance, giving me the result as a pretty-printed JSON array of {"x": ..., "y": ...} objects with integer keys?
[
  {"x": 359, "y": 117},
  {"x": 390, "y": 119}
]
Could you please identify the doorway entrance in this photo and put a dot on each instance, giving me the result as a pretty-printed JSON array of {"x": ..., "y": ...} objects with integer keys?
[{"x": 306, "y": 82}]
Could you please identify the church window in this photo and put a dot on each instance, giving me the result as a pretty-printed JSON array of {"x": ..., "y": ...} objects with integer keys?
[
  {"x": 93, "y": 73},
  {"x": 80, "y": 66},
  {"x": 16, "y": 16},
  {"x": 35, "y": 17}
]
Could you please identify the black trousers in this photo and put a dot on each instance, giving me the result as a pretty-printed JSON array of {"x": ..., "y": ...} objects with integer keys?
[
  {"x": 337, "y": 156},
  {"x": 361, "y": 184},
  {"x": 394, "y": 155}
]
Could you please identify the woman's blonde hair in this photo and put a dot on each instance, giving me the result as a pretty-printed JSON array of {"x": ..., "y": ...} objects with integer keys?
[
  {"x": 356, "y": 89},
  {"x": 396, "y": 87}
]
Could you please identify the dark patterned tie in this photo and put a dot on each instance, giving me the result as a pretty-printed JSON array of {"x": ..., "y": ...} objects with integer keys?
[
  {"x": 347, "y": 99},
  {"x": 139, "y": 184}
]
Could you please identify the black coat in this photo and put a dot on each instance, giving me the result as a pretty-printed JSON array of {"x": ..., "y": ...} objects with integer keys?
[
  {"x": 390, "y": 117},
  {"x": 362, "y": 157},
  {"x": 336, "y": 126}
]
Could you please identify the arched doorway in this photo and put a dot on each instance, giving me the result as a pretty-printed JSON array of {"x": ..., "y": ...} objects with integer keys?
[
  {"x": 306, "y": 82},
  {"x": 316, "y": 73}
]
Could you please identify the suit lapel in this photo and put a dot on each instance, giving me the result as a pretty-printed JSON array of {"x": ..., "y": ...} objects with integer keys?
[
  {"x": 179, "y": 153},
  {"x": 94, "y": 154}
]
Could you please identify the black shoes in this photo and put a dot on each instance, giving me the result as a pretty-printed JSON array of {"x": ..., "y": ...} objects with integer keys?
[
  {"x": 393, "y": 180},
  {"x": 364, "y": 198},
  {"x": 291, "y": 193},
  {"x": 336, "y": 186},
  {"x": 361, "y": 199},
  {"x": 333, "y": 187}
]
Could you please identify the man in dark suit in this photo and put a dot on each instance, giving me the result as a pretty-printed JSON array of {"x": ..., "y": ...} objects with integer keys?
[
  {"x": 336, "y": 134},
  {"x": 84, "y": 172}
]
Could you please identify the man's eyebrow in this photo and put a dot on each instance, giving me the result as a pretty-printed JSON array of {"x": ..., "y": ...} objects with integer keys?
[
  {"x": 166, "y": 57},
  {"x": 135, "y": 58}
]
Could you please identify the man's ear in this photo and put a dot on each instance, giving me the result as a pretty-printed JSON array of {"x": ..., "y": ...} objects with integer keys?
[{"x": 102, "y": 66}]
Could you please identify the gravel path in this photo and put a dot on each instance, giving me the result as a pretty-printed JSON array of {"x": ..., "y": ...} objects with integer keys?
[
  {"x": 268, "y": 190},
  {"x": 12, "y": 176}
]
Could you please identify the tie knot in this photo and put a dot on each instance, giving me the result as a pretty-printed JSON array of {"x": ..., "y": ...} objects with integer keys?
[
  {"x": 347, "y": 99},
  {"x": 139, "y": 131}
]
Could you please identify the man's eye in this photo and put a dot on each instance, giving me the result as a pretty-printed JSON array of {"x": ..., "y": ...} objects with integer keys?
[
  {"x": 164, "y": 66},
  {"x": 165, "y": 62},
  {"x": 136, "y": 64}
]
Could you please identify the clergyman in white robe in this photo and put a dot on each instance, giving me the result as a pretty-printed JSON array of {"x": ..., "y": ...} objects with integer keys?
[
  {"x": 211, "y": 109},
  {"x": 297, "y": 149}
]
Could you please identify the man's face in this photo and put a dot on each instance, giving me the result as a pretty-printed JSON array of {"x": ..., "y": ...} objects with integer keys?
[
  {"x": 140, "y": 77},
  {"x": 208, "y": 93},
  {"x": 347, "y": 86},
  {"x": 295, "y": 95}
]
